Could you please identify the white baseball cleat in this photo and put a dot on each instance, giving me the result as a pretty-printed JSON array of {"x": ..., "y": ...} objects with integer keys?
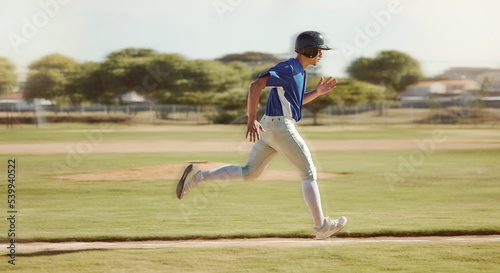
[
  {"x": 187, "y": 180},
  {"x": 330, "y": 227}
]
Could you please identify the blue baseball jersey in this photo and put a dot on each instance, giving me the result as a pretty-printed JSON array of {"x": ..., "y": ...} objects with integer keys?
[{"x": 288, "y": 83}]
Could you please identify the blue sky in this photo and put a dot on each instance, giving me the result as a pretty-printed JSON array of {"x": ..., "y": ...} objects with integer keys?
[{"x": 439, "y": 33}]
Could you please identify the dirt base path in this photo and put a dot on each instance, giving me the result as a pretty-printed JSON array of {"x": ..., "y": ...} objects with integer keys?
[
  {"x": 174, "y": 171},
  {"x": 212, "y": 146},
  {"x": 261, "y": 242}
]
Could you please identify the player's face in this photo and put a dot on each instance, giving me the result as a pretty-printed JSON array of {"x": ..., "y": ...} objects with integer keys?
[{"x": 318, "y": 57}]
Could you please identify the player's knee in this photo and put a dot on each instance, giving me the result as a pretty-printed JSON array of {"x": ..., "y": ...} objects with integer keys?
[
  {"x": 250, "y": 173},
  {"x": 309, "y": 174}
]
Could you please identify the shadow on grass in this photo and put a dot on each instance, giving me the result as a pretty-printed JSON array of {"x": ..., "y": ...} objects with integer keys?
[
  {"x": 291, "y": 235},
  {"x": 55, "y": 252}
]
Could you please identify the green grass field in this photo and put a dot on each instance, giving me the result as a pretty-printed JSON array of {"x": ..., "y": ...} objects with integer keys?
[
  {"x": 405, "y": 257},
  {"x": 449, "y": 192}
]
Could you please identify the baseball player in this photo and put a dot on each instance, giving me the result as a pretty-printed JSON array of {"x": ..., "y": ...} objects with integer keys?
[{"x": 276, "y": 132}]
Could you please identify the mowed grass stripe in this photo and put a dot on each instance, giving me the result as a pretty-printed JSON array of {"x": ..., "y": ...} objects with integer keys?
[
  {"x": 404, "y": 257},
  {"x": 447, "y": 194},
  {"x": 55, "y": 133}
]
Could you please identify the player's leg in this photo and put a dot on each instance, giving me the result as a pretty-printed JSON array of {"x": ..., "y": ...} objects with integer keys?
[
  {"x": 313, "y": 200},
  {"x": 259, "y": 158},
  {"x": 192, "y": 177},
  {"x": 291, "y": 145},
  {"x": 294, "y": 149}
]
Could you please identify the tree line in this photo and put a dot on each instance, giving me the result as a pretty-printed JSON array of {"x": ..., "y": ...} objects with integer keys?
[{"x": 222, "y": 83}]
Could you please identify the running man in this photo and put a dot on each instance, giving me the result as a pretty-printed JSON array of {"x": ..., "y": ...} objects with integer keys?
[{"x": 276, "y": 132}]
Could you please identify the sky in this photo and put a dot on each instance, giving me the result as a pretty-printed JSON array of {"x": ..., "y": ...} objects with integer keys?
[{"x": 440, "y": 34}]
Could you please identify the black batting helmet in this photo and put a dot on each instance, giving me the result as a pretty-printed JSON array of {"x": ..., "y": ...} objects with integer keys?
[{"x": 308, "y": 43}]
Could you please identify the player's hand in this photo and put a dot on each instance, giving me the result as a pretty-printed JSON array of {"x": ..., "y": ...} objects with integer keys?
[
  {"x": 253, "y": 130},
  {"x": 324, "y": 86}
]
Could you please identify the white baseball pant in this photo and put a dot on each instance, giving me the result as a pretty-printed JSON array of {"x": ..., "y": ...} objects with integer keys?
[{"x": 280, "y": 136}]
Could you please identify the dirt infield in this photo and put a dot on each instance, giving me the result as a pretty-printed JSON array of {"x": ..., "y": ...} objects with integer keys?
[
  {"x": 228, "y": 146},
  {"x": 174, "y": 171},
  {"x": 260, "y": 242}
]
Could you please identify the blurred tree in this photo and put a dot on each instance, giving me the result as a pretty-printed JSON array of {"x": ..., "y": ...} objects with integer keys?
[
  {"x": 254, "y": 73},
  {"x": 362, "y": 69},
  {"x": 207, "y": 82},
  {"x": 8, "y": 76},
  {"x": 125, "y": 70},
  {"x": 162, "y": 78},
  {"x": 152, "y": 75},
  {"x": 257, "y": 70},
  {"x": 231, "y": 106},
  {"x": 251, "y": 58},
  {"x": 131, "y": 52},
  {"x": 320, "y": 102},
  {"x": 209, "y": 77},
  {"x": 52, "y": 78},
  {"x": 167, "y": 71},
  {"x": 240, "y": 75},
  {"x": 348, "y": 92},
  {"x": 94, "y": 85},
  {"x": 393, "y": 69},
  {"x": 353, "y": 92}
]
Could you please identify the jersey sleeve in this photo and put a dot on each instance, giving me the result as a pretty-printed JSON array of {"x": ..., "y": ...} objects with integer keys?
[{"x": 280, "y": 75}]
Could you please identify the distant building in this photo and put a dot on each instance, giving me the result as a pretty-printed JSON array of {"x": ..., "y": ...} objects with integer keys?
[
  {"x": 463, "y": 73},
  {"x": 132, "y": 98},
  {"x": 425, "y": 89},
  {"x": 444, "y": 92},
  {"x": 488, "y": 78},
  {"x": 460, "y": 86},
  {"x": 490, "y": 81},
  {"x": 16, "y": 102}
]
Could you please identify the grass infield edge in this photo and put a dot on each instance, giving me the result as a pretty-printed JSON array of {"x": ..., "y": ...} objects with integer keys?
[{"x": 382, "y": 233}]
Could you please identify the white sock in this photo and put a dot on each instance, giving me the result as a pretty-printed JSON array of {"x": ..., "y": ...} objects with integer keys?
[
  {"x": 313, "y": 201},
  {"x": 224, "y": 173}
]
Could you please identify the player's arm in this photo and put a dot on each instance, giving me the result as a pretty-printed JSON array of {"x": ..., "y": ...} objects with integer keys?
[
  {"x": 254, "y": 126},
  {"x": 324, "y": 86}
]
